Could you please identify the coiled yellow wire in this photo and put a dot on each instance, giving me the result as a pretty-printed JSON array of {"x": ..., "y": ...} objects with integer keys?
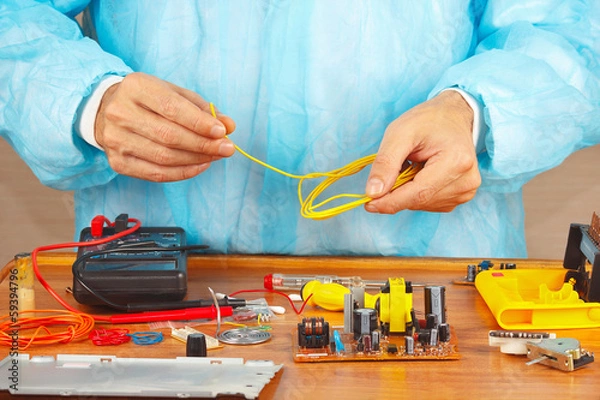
[{"x": 315, "y": 211}]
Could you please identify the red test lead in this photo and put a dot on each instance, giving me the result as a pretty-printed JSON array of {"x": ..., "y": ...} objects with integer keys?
[{"x": 172, "y": 315}]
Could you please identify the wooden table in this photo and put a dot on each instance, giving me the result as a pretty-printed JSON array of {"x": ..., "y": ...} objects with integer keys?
[{"x": 482, "y": 371}]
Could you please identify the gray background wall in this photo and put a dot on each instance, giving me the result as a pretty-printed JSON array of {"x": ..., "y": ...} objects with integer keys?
[{"x": 32, "y": 215}]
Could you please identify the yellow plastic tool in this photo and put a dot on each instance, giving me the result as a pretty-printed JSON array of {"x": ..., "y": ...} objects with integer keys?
[
  {"x": 522, "y": 299},
  {"x": 330, "y": 296}
]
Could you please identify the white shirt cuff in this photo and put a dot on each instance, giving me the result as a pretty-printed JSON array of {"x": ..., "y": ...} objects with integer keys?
[
  {"x": 84, "y": 126},
  {"x": 479, "y": 126}
]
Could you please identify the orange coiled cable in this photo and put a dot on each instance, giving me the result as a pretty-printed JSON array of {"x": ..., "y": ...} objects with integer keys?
[{"x": 39, "y": 327}]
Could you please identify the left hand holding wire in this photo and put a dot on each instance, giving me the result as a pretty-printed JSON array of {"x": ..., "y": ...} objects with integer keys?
[{"x": 438, "y": 133}]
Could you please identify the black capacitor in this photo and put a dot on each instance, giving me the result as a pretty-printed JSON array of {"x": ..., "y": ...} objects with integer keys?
[
  {"x": 364, "y": 322},
  {"x": 195, "y": 345},
  {"x": 471, "y": 272},
  {"x": 444, "y": 332},
  {"x": 360, "y": 346},
  {"x": 435, "y": 302},
  {"x": 368, "y": 343},
  {"x": 409, "y": 345},
  {"x": 424, "y": 336},
  {"x": 376, "y": 339},
  {"x": 332, "y": 347},
  {"x": 431, "y": 321}
]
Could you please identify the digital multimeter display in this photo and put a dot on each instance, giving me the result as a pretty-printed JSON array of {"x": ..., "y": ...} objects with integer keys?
[{"x": 137, "y": 268}]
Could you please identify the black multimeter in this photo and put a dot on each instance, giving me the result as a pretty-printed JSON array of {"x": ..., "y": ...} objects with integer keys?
[{"x": 145, "y": 266}]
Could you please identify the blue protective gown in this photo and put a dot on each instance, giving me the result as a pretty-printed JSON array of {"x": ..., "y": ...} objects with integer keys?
[{"x": 312, "y": 86}]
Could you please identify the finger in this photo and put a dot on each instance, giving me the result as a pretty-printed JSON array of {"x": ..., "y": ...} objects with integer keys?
[
  {"x": 412, "y": 195},
  {"x": 129, "y": 119},
  {"x": 140, "y": 147},
  {"x": 227, "y": 121},
  {"x": 441, "y": 185},
  {"x": 160, "y": 97},
  {"x": 142, "y": 169},
  {"x": 199, "y": 101},
  {"x": 445, "y": 200},
  {"x": 386, "y": 166},
  {"x": 173, "y": 136}
]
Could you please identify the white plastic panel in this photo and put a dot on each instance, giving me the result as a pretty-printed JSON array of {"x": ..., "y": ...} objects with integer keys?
[{"x": 181, "y": 377}]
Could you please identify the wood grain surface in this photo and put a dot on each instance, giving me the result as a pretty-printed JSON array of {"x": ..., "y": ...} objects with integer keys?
[{"x": 482, "y": 371}]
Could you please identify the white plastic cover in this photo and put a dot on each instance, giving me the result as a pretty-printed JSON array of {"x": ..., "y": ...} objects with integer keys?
[{"x": 97, "y": 375}]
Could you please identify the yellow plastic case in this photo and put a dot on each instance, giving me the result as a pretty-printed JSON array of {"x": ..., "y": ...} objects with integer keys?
[{"x": 522, "y": 299}]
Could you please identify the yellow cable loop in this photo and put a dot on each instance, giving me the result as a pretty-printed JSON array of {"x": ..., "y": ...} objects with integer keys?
[{"x": 314, "y": 211}]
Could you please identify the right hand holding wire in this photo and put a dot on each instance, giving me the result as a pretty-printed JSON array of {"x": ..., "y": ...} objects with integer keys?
[{"x": 154, "y": 130}]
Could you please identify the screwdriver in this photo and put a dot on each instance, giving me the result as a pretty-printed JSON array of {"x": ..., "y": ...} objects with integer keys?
[
  {"x": 295, "y": 282},
  {"x": 330, "y": 296}
]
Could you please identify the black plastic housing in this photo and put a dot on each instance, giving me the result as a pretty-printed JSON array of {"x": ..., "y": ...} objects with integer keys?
[{"x": 134, "y": 272}]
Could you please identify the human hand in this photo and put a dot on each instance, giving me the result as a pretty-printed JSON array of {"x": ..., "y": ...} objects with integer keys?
[
  {"x": 154, "y": 130},
  {"x": 437, "y": 132}
]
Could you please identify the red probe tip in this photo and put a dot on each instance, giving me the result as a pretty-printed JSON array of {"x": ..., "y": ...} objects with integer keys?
[{"x": 268, "y": 281}]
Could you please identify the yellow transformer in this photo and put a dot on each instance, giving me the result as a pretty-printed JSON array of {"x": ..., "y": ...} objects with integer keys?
[{"x": 394, "y": 305}]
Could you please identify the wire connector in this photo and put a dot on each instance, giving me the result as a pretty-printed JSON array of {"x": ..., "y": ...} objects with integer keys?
[
  {"x": 97, "y": 226},
  {"x": 121, "y": 222}
]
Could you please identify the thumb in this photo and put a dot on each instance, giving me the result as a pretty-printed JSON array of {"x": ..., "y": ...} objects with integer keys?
[{"x": 384, "y": 172}]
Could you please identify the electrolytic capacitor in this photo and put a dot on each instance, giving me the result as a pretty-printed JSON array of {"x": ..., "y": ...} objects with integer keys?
[
  {"x": 444, "y": 332},
  {"x": 431, "y": 321},
  {"x": 409, "y": 345},
  {"x": 424, "y": 336},
  {"x": 367, "y": 343},
  {"x": 471, "y": 272},
  {"x": 435, "y": 302},
  {"x": 360, "y": 346},
  {"x": 433, "y": 338},
  {"x": 376, "y": 339},
  {"x": 365, "y": 322}
]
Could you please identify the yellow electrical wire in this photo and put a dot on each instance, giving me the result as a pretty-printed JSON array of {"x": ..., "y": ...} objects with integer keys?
[{"x": 314, "y": 211}]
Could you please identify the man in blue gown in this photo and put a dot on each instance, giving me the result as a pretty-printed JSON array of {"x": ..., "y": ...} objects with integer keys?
[{"x": 487, "y": 94}]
